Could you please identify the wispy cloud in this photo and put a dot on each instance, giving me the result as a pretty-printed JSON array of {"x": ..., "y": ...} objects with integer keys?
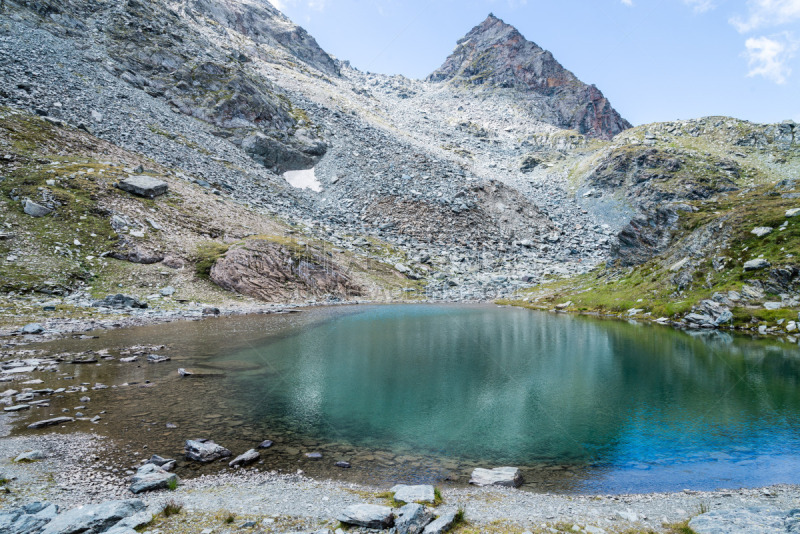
[
  {"x": 315, "y": 5},
  {"x": 769, "y": 56},
  {"x": 767, "y": 14},
  {"x": 628, "y": 3},
  {"x": 701, "y": 6}
]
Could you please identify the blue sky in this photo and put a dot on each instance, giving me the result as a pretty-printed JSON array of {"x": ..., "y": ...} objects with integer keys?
[{"x": 656, "y": 60}]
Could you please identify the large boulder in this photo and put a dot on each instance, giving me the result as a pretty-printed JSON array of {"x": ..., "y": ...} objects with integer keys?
[
  {"x": 499, "y": 476},
  {"x": 756, "y": 264},
  {"x": 151, "y": 477},
  {"x": 143, "y": 186},
  {"x": 204, "y": 450},
  {"x": 746, "y": 521},
  {"x": 93, "y": 518},
  {"x": 412, "y": 519},
  {"x": 35, "y": 210},
  {"x": 27, "y": 519},
  {"x": 367, "y": 516},
  {"x": 274, "y": 154},
  {"x": 420, "y": 493}
]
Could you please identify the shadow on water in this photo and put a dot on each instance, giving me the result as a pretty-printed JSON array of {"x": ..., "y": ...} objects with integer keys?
[{"x": 427, "y": 393}]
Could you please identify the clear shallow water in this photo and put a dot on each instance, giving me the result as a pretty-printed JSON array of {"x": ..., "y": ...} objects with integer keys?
[
  {"x": 427, "y": 393},
  {"x": 639, "y": 406}
]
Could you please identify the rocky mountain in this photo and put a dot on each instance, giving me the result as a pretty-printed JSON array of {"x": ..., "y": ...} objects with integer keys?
[
  {"x": 496, "y": 55},
  {"x": 441, "y": 189}
]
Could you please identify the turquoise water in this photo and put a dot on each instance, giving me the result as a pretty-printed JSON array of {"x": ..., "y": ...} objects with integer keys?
[{"x": 625, "y": 407}]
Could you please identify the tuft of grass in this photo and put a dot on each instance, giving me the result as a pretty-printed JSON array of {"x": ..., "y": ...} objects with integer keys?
[
  {"x": 461, "y": 517},
  {"x": 389, "y": 499},
  {"x": 207, "y": 255},
  {"x": 172, "y": 508},
  {"x": 437, "y": 497},
  {"x": 230, "y": 518},
  {"x": 172, "y": 485}
]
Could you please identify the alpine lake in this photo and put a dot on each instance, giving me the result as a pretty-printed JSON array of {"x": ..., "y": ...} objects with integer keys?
[{"x": 426, "y": 393}]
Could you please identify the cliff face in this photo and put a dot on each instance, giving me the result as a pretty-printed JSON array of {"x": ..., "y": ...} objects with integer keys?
[{"x": 495, "y": 54}]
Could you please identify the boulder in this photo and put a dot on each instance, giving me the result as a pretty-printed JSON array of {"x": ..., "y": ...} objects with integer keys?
[
  {"x": 30, "y": 456},
  {"x": 761, "y": 231},
  {"x": 119, "y": 301},
  {"x": 756, "y": 264},
  {"x": 420, "y": 493},
  {"x": 143, "y": 186},
  {"x": 246, "y": 458},
  {"x": 93, "y": 518},
  {"x": 32, "y": 328},
  {"x": 442, "y": 524},
  {"x": 35, "y": 210},
  {"x": 205, "y": 450},
  {"x": 151, "y": 477},
  {"x": 27, "y": 519},
  {"x": 51, "y": 422},
  {"x": 412, "y": 519},
  {"x": 367, "y": 516},
  {"x": 792, "y": 212},
  {"x": 499, "y": 476}
]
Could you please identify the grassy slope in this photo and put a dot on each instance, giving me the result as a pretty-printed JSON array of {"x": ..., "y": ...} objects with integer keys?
[{"x": 729, "y": 217}]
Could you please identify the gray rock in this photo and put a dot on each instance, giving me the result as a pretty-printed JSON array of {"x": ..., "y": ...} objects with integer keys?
[
  {"x": 17, "y": 408},
  {"x": 747, "y": 521},
  {"x": 30, "y": 456},
  {"x": 93, "y": 518},
  {"x": 246, "y": 458},
  {"x": 756, "y": 264},
  {"x": 167, "y": 291},
  {"x": 412, "y": 519},
  {"x": 761, "y": 231},
  {"x": 441, "y": 524},
  {"x": 367, "y": 515},
  {"x": 420, "y": 493},
  {"x": 792, "y": 212},
  {"x": 151, "y": 477},
  {"x": 143, "y": 186},
  {"x": 499, "y": 476},
  {"x": 773, "y": 305},
  {"x": 343, "y": 465},
  {"x": 32, "y": 328},
  {"x": 205, "y": 450},
  {"x": 35, "y": 210},
  {"x": 119, "y": 301},
  {"x": 51, "y": 422},
  {"x": 157, "y": 358},
  {"x": 266, "y": 444},
  {"x": 27, "y": 519},
  {"x": 164, "y": 463}
]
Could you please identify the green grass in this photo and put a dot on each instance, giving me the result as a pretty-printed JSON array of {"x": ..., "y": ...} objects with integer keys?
[
  {"x": 172, "y": 485},
  {"x": 207, "y": 254},
  {"x": 172, "y": 508}
]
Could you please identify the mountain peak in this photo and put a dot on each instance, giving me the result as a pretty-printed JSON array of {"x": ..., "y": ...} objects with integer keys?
[{"x": 495, "y": 54}]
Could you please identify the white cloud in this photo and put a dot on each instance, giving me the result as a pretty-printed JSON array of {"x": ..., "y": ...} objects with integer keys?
[
  {"x": 769, "y": 56},
  {"x": 277, "y": 3},
  {"x": 700, "y": 6},
  {"x": 628, "y": 2},
  {"x": 767, "y": 13}
]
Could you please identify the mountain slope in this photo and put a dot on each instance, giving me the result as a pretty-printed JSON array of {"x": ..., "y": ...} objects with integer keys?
[{"x": 495, "y": 54}]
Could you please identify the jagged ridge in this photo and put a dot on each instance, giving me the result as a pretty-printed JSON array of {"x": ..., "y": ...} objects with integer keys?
[{"x": 496, "y": 54}]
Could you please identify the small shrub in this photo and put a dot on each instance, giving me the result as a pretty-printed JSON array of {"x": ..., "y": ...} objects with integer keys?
[
  {"x": 230, "y": 518},
  {"x": 172, "y": 485},
  {"x": 172, "y": 508}
]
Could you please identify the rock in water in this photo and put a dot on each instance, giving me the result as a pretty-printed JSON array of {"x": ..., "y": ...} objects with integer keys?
[
  {"x": 246, "y": 458},
  {"x": 143, "y": 186},
  {"x": 35, "y": 210},
  {"x": 367, "y": 516},
  {"x": 151, "y": 477},
  {"x": 167, "y": 464},
  {"x": 412, "y": 519},
  {"x": 205, "y": 450},
  {"x": 93, "y": 518},
  {"x": 442, "y": 524},
  {"x": 266, "y": 444},
  {"x": 420, "y": 493},
  {"x": 499, "y": 476},
  {"x": 51, "y": 422}
]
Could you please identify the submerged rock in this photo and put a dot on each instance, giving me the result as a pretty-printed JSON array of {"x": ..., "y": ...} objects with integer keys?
[
  {"x": 245, "y": 458},
  {"x": 51, "y": 422},
  {"x": 203, "y": 450},
  {"x": 499, "y": 476}
]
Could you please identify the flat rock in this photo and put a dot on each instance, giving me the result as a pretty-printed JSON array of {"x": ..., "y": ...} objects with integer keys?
[
  {"x": 35, "y": 210},
  {"x": 792, "y": 212},
  {"x": 266, "y": 444},
  {"x": 30, "y": 456},
  {"x": 499, "y": 476},
  {"x": 143, "y": 186},
  {"x": 119, "y": 301},
  {"x": 150, "y": 477},
  {"x": 246, "y": 458},
  {"x": 761, "y": 231},
  {"x": 51, "y": 422},
  {"x": 17, "y": 408},
  {"x": 754, "y": 265},
  {"x": 93, "y": 518},
  {"x": 367, "y": 515},
  {"x": 205, "y": 450},
  {"x": 32, "y": 328},
  {"x": 412, "y": 519},
  {"x": 747, "y": 521},
  {"x": 420, "y": 493},
  {"x": 27, "y": 519},
  {"x": 167, "y": 464},
  {"x": 441, "y": 524}
]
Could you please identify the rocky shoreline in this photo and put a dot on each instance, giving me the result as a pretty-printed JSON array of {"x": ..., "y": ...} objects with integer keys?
[{"x": 69, "y": 476}]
